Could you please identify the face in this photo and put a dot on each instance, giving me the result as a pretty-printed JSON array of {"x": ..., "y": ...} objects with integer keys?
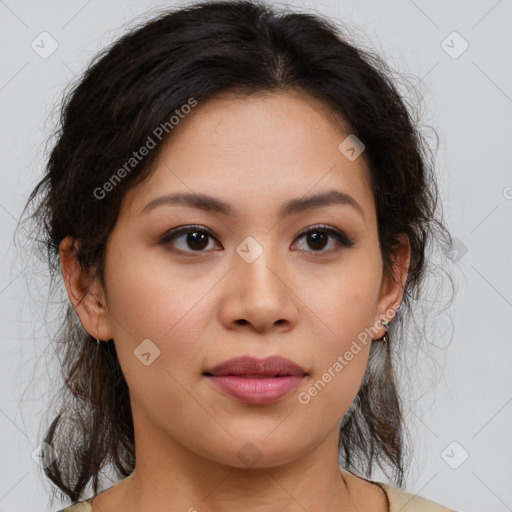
[{"x": 250, "y": 278}]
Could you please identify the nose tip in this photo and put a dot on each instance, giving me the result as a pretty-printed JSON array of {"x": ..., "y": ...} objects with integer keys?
[{"x": 259, "y": 296}]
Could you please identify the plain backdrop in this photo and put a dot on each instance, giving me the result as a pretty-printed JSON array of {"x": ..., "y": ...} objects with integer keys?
[{"x": 458, "y": 54}]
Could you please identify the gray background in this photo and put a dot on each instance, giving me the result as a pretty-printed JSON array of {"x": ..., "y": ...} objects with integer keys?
[{"x": 467, "y": 99}]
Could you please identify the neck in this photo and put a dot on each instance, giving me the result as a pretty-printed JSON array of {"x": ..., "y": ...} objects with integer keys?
[{"x": 178, "y": 479}]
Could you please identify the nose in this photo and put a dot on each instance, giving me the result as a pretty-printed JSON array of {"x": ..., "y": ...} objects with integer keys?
[{"x": 259, "y": 295}]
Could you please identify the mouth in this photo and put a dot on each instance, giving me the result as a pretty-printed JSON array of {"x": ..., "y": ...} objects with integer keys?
[{"x": 256, "y": 381}]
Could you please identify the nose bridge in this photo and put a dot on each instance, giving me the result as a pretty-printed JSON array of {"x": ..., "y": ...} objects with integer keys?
[
  {"x": 259, "y": 268},
  {"x": 262, "y": 294}
]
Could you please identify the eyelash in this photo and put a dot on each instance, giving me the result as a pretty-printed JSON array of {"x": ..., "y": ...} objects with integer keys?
[{"x": 343, "y": 240}]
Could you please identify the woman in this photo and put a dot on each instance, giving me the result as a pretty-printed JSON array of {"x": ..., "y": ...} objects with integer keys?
[{"x": 240, "y": 206}]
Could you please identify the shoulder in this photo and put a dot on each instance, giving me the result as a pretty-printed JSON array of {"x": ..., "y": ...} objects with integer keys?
[
  {"x": 401, "y": 501},
  {"x": 79, "y": 506}
]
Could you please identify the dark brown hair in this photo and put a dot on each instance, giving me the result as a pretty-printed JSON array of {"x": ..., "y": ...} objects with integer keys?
[{"x": 136, "y": 85}]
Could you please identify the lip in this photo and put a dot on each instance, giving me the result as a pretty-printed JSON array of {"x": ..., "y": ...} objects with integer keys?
[{"x": 256, "y": 381}]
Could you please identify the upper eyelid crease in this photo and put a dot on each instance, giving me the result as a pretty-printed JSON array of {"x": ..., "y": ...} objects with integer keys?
[{"x": 292, "y": 207}]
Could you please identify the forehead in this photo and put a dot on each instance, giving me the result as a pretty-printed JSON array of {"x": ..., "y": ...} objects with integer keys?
[{"x": 262, "y": 149}]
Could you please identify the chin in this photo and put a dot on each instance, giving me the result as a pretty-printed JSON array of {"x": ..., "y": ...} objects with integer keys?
[{"x": 257, "y": 451}]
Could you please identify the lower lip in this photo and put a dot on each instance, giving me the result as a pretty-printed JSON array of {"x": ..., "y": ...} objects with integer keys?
[{"x": 260, "y": 390}]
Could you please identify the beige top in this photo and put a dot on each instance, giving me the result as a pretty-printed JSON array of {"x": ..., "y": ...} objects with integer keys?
[{"x": 399, "y": 501}]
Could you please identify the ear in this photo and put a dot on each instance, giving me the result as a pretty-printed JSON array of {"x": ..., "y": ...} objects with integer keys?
[
  {"x": 84, "y": 291},
  {"x": 392, "y": 287}
]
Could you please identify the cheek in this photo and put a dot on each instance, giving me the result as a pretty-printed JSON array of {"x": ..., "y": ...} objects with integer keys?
[
  {"x": 342, "y": 360},
  {"x": 148, "y": 296},
  {"x": 160, "y": 303},
  {"x": 348, "y": 298},
  {"x": 149, "y": 302},
  {"x": 346, "y": 307}
]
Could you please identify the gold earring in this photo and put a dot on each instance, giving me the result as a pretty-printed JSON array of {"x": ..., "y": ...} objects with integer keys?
[{"x": 384, "y": 338}]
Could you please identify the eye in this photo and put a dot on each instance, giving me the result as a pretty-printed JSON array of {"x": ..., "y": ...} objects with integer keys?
[
  {"x": 193, "y": 237},
  {"x": 317, "y": 237},
  {"x": 197, "y": 238}
]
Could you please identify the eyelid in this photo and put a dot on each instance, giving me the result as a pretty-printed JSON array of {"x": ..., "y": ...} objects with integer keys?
[
  {"x": 339, "y": 234},
  {"x": 175, "y": 232}
]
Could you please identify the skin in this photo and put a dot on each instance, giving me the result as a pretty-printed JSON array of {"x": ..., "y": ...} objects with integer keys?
[{"x": 297, "y": 300}]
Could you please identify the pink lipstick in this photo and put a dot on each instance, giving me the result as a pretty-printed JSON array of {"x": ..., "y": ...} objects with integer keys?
[{"x": 256, "y": 381}]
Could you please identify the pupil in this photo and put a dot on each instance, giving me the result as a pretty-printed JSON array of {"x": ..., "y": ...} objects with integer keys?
[{"x": 195, "y": 242}]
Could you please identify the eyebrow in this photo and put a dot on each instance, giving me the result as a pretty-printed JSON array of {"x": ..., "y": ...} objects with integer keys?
[{"x": 292, "y": 207}]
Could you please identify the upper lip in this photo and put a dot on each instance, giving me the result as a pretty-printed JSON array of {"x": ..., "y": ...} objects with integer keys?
[{"x": 246, "y": 365}]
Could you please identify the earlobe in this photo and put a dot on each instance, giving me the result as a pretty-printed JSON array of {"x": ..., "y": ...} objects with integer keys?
[{"x": 85, "y": 292}]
